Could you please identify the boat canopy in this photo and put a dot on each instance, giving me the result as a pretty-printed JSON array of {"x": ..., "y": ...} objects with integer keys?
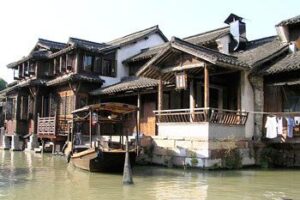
[{"x": 120, "y": 108}]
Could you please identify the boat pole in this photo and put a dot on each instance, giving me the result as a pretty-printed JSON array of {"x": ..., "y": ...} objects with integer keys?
[{"x": 127, "y": 173}]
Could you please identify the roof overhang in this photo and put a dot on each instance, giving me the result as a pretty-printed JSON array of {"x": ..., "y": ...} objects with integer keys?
[{"x": 205, "y": 55}]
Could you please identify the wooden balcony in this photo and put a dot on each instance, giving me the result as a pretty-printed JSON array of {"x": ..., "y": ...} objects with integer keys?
[
  {"x": 201, "y": 123},
  {"x": 52, "y": 127},
  {"x": 211, "y": 115},
  {"x": 46, "y": 127}
]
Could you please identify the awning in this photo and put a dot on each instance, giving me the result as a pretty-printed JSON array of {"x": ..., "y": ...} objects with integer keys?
[{"x": 291, "y": 82}]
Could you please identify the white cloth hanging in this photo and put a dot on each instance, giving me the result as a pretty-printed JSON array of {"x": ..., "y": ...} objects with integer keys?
[
  {"x": 279, "y": 126},
  {"x": 271, "y": 126}
]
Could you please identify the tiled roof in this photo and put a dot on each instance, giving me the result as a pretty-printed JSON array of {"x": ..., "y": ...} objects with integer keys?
[
  {"x": 208, "y": 37},
  {"x": 75, "y": 77},
  {"x": 146, "y": 53},
  {"x": 131, "y": 83},
  {"x": 35, "y": 55},
  {"x": 51, "y": 45},
  {"x": 208, "y": 54},
  {"x": 31, "y": 82},
  {"x": 199, "y": 39},
  {"x": 201, "y": 52},
  {"x": 136, "y": 36},
  {"x": 293, "y": 20},
  {"x": 261, "y": 50},
  {"x": 289, "y": 63},
  {"x": 85, "y": 44}
]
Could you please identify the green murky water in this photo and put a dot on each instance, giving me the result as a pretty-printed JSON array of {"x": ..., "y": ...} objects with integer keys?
[{"x": 31, "y": 176}]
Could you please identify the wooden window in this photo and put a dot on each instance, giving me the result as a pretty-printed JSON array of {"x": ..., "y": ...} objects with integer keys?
[
  {"x": 62, "y": 105},
  {"x": 56, "y": 65},
  {"x": 108, "y": 68},
  {"x": 63, "y": 63},
  {"x": 181, "y": 81},
  {"x": 26, "y": 69},
  {"x": 23, "y": 107},
  {"x": 70, "y": 58},
  {"x": 32, "y": 68},
  {"x": 291, "y": 99},
  {"x": 9, "y": 108},
  {"x": 97, "y": 64},
  {"x": 87, "y": 63}
]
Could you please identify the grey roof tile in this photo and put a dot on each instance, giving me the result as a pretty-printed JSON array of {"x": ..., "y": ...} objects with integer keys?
[
  {"x": 131, "y": 83},
  {"x": 199, "y": 39},
  {"x": 75, "y": 77},
  {"x": 207, "y": 37},
  {"x": 293, "y": 20},
  {"x": 136, "y": 36},
  {"x": 289, "y": 63},
  {"x": 261, "y": 50}
]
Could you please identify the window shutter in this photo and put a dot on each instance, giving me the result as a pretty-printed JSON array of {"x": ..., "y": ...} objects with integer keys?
[{"x": 114, "y": 68}]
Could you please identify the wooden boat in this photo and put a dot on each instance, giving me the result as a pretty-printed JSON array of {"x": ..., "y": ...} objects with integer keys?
[{"x": 99, "y": 155}]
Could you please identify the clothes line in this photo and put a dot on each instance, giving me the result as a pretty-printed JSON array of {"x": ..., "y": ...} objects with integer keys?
[{"x": 273, "y": 113}]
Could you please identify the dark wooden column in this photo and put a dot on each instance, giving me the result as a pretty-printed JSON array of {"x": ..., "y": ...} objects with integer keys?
[
  {"x": 192, "y": 100},
  {"x": 206, "y": 87},
  {"x": 90, "y": 127},
  {"x": 138, "y": 114},
  {"x": 35, "y": 94},
  {"x": 160, "y": 96},
  {"x": 206, "y": 92}
]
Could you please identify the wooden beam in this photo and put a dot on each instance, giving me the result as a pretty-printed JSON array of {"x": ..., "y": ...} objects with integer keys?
[
  {"x": 60, "y": 64},
  {"x": 183, "y": 67},
  {"x": 90, "y": 128},
  {"x": 206, "y": 87},
  {"x": 160, "y": 96},
  {"x": 138, "y": 114},
  {"x": 192, "y": 99},
  {"x": 76, "y": 66}
]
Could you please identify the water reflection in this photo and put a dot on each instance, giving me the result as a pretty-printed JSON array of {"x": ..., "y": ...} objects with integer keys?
[{"x": 25, "y": 175}]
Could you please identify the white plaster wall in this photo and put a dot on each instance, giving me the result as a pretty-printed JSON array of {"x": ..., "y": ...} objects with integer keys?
[
  {"x": 247, "y": 103},
  {"x": 176, "y": 130},
  {"x": 219, "y": 131},
  {"x": 127, "y": 51},
  {"x": 283, "y": 33},
  {"x": 203, "y": 131},
  {"x": 223, "y": 44}
]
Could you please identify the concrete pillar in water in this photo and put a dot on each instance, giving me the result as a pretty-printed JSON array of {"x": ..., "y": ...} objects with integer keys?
[
  {"x": 16, "y": 144},
  {"x": 6, "y": 142},
  {"x": 127, "y": 173},
  {"x": 32, "y": 143}
]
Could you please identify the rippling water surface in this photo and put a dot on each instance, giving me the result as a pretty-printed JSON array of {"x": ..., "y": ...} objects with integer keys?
[{"x": 32, "y": 176}]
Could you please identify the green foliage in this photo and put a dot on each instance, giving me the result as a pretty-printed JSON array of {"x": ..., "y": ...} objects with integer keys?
[
  {"x": 194, "y": 160},
  {"x": 268, "y": 157},
  {"x": 149, "y": 150},
  {"x": 232, "y": 159},
  {"x": 3, "y": 84}
]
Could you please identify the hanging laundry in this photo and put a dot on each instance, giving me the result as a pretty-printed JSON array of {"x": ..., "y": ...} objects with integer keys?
[
  {"x": 290, "y": 126},
  {"x": 271, "y": 126},
  {"x": 279, "y": 126},
  {"x": 297, "y": 120}
]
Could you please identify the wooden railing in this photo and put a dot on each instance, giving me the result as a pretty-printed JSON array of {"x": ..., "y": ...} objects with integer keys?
[
  {"x": 229, "y": 117},
  {"x": 46, "y": 126},
  {"x": 217, "y": 116},
  {"x": 52, "y": 126}
]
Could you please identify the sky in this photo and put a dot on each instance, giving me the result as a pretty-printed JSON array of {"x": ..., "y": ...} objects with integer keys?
[{"x": 23, "y": 22}]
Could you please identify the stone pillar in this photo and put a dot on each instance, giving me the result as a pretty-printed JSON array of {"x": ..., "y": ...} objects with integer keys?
[
  {"x": 32, "y": 143},
  {"x": 257, "y": 83},
  {"x": 6, "y": 142},
  {"x": 192, "y": 100},
  {"x": 16, "y": 143}
]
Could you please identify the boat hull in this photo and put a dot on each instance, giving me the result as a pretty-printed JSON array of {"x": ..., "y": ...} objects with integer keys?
[{"x": 97, "y": 161}]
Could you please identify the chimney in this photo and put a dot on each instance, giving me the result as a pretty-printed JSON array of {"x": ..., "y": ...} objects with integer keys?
[{"x": 237, "y": 30}]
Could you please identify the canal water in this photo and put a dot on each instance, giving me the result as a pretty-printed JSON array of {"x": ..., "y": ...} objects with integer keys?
[{"x": 25, "y": 175}]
